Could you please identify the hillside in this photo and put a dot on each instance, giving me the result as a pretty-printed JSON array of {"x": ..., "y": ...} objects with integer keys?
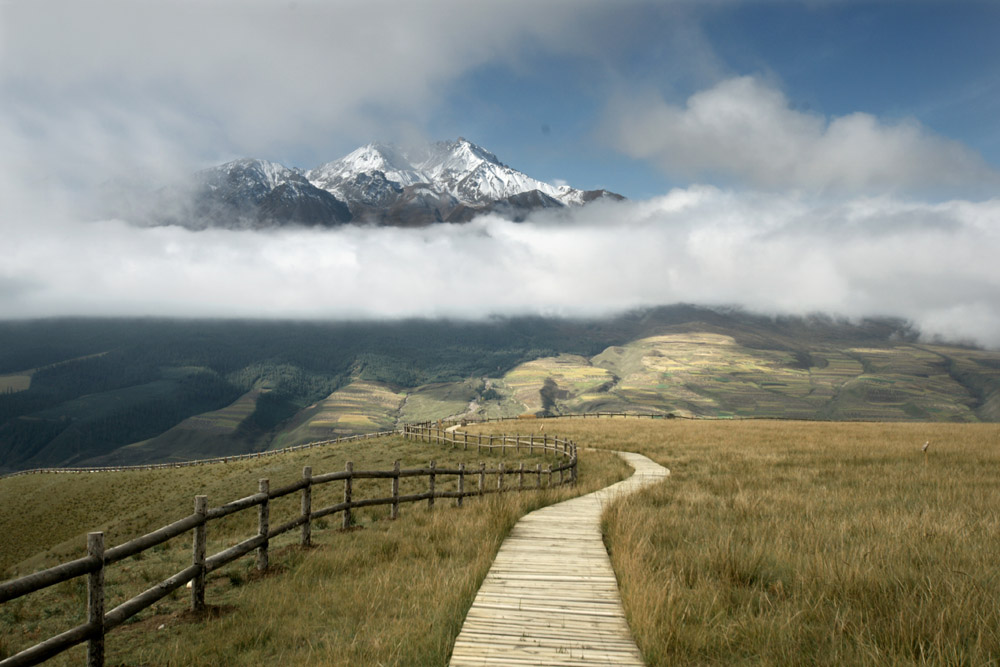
[{"x": 92, "y": 392}]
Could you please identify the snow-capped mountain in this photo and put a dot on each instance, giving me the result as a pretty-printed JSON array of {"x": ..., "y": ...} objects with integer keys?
[
  {"x": 375, "y": 184},
  {"x": 469, "y": 173}
]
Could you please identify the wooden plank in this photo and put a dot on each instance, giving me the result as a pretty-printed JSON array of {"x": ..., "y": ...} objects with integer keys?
[{"x": 551, "y": 597}]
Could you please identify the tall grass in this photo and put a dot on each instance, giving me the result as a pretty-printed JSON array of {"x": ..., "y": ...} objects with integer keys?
[
  {"x": 805, "y": 543},
  {"x": 385, "y": 592}
]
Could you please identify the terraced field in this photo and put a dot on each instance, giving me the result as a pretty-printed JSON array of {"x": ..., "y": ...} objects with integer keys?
[
  {"x": 710, "y": 374},
  {"x": 360, "y": 407},
  {"x": 577, "y": 382}
]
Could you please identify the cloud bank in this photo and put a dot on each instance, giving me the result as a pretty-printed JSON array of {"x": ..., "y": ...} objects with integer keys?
[
  {"x": 934, "y": 264},
  {"x": 745, "y": 129},
  {"x": 104, "y": 88}
]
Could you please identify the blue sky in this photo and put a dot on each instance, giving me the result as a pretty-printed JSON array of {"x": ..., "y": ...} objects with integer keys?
[
  {"x": 835, "y": 156},
  {"x": 934, "y": 62}
]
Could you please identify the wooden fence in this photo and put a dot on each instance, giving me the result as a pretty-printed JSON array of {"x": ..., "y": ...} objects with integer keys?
[{"x": 98, "y": 558}]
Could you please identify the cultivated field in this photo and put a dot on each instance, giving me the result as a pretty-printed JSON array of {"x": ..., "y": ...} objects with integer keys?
[
  {"x": 808, "y": 543},
  {"x": 360, "y": 407}
]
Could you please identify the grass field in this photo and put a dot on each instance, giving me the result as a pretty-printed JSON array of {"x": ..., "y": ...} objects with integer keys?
[
  {"x": 808, "y": 543},
  {"x": 773, "y": 542},
  {"x": 386, "y": 592}
]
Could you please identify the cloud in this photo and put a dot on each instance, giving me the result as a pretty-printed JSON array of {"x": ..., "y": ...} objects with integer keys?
[
  {"x": 934, "y": 264},
  {"x": 744, "y": 130},
  {"x": 108, "y": 87}
]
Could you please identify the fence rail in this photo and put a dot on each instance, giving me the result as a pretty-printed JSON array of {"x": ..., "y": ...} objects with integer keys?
[{"x": 94, "y": 564}]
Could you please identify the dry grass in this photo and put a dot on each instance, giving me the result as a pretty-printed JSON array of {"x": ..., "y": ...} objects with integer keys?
[
  {"x": 385, "y": 592},
  {"x": 809, "y": 543}
]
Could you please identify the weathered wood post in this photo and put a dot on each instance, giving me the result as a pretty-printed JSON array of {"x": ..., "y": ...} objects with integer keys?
[
  {"x": 394, "y": 512},
  {"x": 348, "y": 484},
  {"x": 550, "y": 475},
  {"x": 95, "y": 601},
  {"x": 531, "y": 444},
  {"x": 198, "y": 555},
  {"x": 520, "y": 476},
  {"x": 430, "y": 492},
  {"x": 500, "y": 476},
  {"x": 482, "y": 477},
  {"x": 461, "y": 483},
  {"x": 263, "y": 518},
  {"x": 538, "y": 473},
  {"x": 307, "y": 473}
]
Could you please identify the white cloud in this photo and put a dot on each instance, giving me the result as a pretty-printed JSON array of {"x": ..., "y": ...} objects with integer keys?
[
  {"x": 744, "y": 129},
  {"x": 933, "y": 264},
  {"x": 103, "y": 88}
]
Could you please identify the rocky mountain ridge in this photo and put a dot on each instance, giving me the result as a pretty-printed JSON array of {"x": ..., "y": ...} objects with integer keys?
[{"x": 380, "y": 184}]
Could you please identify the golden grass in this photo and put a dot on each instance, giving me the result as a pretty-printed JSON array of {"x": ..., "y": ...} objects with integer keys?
[
  {"x": 808, "y": 543},
  {"x": 387, "y": 592}
]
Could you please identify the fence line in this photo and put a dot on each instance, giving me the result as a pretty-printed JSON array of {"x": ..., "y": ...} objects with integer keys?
[{"x": 98, "y": 558}]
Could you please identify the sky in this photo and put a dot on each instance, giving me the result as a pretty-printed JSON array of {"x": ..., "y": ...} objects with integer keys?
[{"x": 831, "y": 156}]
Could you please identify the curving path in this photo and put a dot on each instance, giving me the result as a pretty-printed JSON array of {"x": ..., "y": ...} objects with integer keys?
[{"x": 551, "y": 597}]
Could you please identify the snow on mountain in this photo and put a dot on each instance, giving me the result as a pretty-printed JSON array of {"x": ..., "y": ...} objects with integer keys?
[
  {"x": 471, "y": 174},
  {"x": 382, "y": 184}
]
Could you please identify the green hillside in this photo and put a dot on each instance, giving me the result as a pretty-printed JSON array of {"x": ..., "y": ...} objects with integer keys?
[{"x": 90, "y": 392}]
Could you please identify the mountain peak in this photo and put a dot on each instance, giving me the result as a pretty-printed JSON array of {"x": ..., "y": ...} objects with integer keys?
[{"x": 382, "y": 183}]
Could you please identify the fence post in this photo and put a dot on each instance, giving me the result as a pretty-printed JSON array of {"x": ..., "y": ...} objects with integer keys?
[
  {"x": 520, "y": 476},
  {"x": 531, "y": 444},
  {"x": 307, "y": 473},
  {"x": 95, "y": 601},
  {"x": 538, "y": 472},
  {"x": 500, "y": 476},
  {"x": 430, "y": 500},
  {"x": 263, "y": 518},
  {"x": 348, "y": 484},
  {"x": 198, "y": 556},
  {"x": 482, "y": 477},
  {"x": 461, "y": 483},
  {"x": 394, "y": 511},
  {"x": 550, "y": 475}
]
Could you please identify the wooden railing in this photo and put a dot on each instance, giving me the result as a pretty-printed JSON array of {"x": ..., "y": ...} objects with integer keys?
[{"x": 94, "y": 564}]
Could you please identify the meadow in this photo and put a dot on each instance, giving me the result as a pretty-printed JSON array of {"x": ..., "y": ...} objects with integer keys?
[
  {"x": 383, "y": 592},
  {"x": 773, "y": 542},
  {"x": 780, "y": 542}
]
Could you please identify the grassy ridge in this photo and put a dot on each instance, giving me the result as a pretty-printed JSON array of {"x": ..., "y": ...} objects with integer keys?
[
  {"x": 808, "y": 543},
  {"x": 384, "y": 593}
]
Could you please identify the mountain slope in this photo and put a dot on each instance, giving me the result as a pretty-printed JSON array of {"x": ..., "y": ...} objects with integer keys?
[
  {"x": 194, "y": 389},
  {"x": 377, "y": 184},
  {"x": 442, "y": 181}
]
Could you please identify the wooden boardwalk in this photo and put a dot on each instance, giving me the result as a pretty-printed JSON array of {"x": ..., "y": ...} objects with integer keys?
[{"x": 551, "y": 597}]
